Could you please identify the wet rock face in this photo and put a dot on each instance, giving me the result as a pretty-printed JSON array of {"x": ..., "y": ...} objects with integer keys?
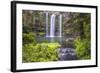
[{"x": 67, "y": 54}]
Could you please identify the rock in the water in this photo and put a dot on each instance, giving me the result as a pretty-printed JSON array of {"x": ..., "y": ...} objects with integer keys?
[{"x": 67, "y": 54}]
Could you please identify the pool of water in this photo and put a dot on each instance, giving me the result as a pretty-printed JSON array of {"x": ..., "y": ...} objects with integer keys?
[{"x": 64, "y": 41}]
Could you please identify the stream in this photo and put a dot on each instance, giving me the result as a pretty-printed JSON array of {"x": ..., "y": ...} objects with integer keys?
[{"x": 67, "y": 54}]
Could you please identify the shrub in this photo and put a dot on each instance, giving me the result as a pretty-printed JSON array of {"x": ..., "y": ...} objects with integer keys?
[
  {"x": 41, "y": 52},
  {"x": 82, "y": 48},
  {"x": 29, "y": 38}
]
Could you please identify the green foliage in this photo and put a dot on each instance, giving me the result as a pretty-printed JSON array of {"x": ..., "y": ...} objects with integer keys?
[
  {"x": 82, "y": 48},
  {"x": 83, "y": 43},
  {"x": 41, "y": 52},
  {"x": 29, "y": 38},
  {"x": 87, "y": 33},
  {"x": 38, "y": 52}
]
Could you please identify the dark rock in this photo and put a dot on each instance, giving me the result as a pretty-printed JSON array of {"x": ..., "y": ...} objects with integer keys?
[{"x": 67, "y": 54}]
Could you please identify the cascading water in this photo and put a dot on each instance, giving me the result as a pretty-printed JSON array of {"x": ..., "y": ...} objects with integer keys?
[
  {"x": 52, "y": 29},
  {"x": 52, "y": 26}
]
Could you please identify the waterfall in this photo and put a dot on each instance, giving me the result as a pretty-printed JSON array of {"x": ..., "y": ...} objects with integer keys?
[
  {"x": 60, "y": 25},
  {"x": 52, "y": 25}
]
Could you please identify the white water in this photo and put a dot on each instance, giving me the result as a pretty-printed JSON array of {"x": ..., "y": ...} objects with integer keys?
[{"x": 52, "y": 26}]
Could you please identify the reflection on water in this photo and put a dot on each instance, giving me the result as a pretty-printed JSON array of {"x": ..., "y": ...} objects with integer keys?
[{"x": 50, "y": 39}]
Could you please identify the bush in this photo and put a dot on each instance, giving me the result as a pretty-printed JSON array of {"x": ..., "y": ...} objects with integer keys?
[
  {"x": 82, "y": 48},
  {"x": 29, "y": 38},
  {"x": 41, "y": 52}
]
